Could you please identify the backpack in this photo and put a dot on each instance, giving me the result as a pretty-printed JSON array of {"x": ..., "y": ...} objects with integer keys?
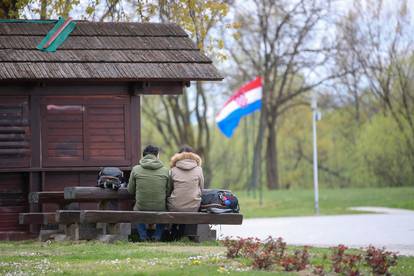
[
  {"x": 219, "y": 201},
  {"x": 111, "y": 178}
]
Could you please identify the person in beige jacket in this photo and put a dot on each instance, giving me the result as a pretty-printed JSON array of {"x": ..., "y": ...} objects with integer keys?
[{"x": 187, "y": 181}]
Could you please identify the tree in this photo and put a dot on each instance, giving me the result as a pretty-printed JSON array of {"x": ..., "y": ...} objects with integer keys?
[
  {"x": 279, "y": 41},
  {"x": 42, "y": 9},
  {"x": 11, "y": 9},
  {"x": 175, "y": 114},
  {"x": 380, "y": 39}
]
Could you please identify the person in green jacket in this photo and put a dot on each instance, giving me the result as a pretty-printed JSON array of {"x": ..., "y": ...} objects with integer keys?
[{"x": 150, "y": 183}]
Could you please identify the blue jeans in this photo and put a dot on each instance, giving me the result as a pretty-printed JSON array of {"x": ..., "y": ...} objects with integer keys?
[{"x": 142, "y": 231}]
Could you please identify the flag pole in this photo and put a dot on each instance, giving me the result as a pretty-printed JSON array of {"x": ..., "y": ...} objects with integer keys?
[{"x": 315, "y": 117}]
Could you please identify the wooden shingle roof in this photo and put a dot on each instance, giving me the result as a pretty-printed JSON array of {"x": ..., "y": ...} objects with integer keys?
[{"x": 110, "y": 51}]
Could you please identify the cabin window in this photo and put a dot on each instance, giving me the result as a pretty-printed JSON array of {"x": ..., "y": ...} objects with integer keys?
[
  {"x": 14, "y": 132},
  {"x": 85, "y": 131}
]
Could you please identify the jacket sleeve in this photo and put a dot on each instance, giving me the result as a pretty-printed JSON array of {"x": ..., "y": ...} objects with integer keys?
[
  {"x": 170, "y": 186},
  {"x": 201, "y": 179},
  {"x": 131, "y": 183}
]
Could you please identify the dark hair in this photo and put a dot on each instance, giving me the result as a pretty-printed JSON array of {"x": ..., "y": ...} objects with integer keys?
[
  {"x": 186, "y": 148},
  {"x": 150, "y": 149}
]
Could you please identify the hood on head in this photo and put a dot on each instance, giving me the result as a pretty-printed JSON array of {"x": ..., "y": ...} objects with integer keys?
[
  {"x": 185, "y": 160},
  {"x": 150, "y": 162}
]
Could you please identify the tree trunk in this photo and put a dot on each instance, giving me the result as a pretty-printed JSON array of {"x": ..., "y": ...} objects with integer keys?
[
  {"x": 272, "y": 171},
  {"x": 43, "y": 9},
  {"x": 208, "y": 174}
]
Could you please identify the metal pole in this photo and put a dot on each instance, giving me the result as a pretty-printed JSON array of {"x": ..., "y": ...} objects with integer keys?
[{"x": 315, "y": 155}]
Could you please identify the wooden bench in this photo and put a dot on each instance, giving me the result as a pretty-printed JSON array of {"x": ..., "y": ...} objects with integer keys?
[
  {"x": 197, "y": 225},
  {"x": 113, "y": 221}
]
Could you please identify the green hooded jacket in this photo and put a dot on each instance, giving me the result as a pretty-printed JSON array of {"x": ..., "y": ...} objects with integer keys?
[{"x": 150, "y": 182}]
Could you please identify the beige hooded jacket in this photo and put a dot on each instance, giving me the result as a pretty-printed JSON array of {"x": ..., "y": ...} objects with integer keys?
[{"x": 187, "y": 183}]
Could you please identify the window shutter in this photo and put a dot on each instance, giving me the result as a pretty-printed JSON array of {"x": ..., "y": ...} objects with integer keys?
[
  {"x": 14, "y": 132},
  {"x": 106, "y": 129},
  {"x": 86, "y": 131}
]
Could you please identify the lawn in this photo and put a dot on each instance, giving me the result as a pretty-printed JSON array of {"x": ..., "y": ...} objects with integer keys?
[
  {"x": 331, "y": 201},
  {"x": 92, "y": 258}
]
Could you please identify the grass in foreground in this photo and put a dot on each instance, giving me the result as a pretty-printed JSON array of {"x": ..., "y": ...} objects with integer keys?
[
  {"x": 33, "y": 258},
  {"x": 331, "y": 201}
]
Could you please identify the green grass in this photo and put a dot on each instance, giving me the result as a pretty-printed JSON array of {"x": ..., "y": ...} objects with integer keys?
[
  {"x": 93, "y": 258},
  {"x": 331, "y": 201}
]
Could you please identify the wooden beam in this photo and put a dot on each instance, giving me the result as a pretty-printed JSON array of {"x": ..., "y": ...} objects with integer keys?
[
  {"x": 82, "y": 193},
  {"x": 67, "y": 216},
  {"x": 56, "y": 197},
  {"x": 135, "y": 130},
  {"x": 46, "y": 197},
  {"x": 95, "y": 216},
  {"x": 37, "y": 218},
  {"x": 35, "y": 130},
  {"x": 157, "y": 88}
]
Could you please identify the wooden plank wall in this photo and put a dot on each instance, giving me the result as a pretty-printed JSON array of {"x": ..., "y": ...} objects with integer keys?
[
  {"x": 57, "y": 181},
  {"x": 13, "y": 200}
]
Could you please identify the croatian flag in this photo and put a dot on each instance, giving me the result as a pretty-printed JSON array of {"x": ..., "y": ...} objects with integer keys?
[{"x": 243, "y": 102}]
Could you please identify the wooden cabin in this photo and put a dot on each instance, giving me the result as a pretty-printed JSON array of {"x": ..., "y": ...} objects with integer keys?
[{"x": 63, "y": 115}]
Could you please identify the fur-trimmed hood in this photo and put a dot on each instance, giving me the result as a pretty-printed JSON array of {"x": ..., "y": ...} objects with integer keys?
[{"x": 188, "y": 160}]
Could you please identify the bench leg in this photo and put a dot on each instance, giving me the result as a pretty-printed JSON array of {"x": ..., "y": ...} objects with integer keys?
[
  {"x": 48, "y": 234},
  {"x": 84, "y": 231},
  {"x": 200, "y": 232},
  {"x": 115, "y": 232}
]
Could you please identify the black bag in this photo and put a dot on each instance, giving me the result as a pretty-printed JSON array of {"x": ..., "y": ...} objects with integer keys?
[
  {"x": 219, "y": 201},
  {"x": 111, "y": 178}
]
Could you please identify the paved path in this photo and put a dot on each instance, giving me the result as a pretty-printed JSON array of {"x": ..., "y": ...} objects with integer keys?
[{"x": 392, "y": 228}]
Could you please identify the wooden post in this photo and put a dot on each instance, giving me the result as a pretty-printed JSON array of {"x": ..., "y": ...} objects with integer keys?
[
  {"x": 34, "y": 185},
  {"x": 199, "y": 232}
]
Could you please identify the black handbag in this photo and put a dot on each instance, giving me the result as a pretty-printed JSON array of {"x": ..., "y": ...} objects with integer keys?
[{"x": 219, "y": 201}]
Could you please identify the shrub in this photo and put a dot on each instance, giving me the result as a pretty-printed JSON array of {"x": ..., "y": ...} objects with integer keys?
[
  {"x": 263, "y": 255},
  {"x": 233, "y": 246},
  {"x": 269, "y": 253},
  {"x": 250, "y": 247},
  {"x": 276, "y": 248},
  {"x": 273, "y": 252},
  {"x": 262, "y": 260},
  {"x": 298, "y": 261},
  {"x": 343, "y": 263},
  {"x": 380, "y": 260}
]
